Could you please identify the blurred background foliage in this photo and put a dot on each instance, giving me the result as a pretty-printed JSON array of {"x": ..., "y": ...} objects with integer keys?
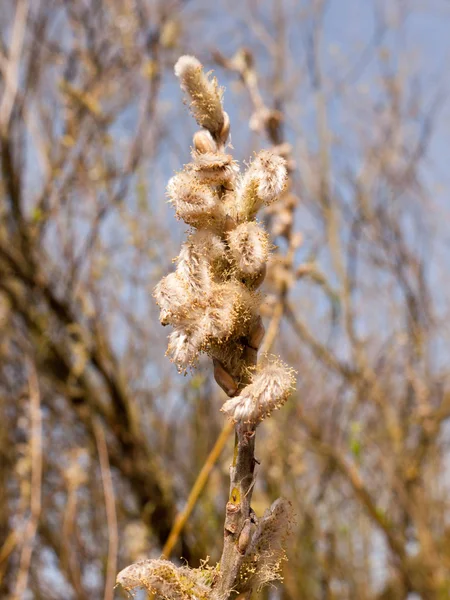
[{"x": 101, "y": 439}]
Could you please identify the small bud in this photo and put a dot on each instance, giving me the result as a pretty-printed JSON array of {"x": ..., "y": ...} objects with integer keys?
[
  {"x": 256, "y": 334},
  {"x": 203, "y": 142},
  {"x": 245, "y": 537},
  {"x": 230, "y": 355},
  {"x": 250, "y": 356},
  {"x": 229, "y": 224},
  {"x": 224, "y": 379},
  {"x": 225, "y": 131}
]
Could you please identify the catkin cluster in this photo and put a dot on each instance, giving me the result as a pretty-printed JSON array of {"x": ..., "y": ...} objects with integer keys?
[
  {"x": 211, "y": 299},
  {"x": 164, "y": 581},
  {"x": 261, "y": 565}
]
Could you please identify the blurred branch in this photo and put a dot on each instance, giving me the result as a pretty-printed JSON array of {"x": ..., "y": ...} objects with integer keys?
[
  {"x": 263, "y": 119},
  {"x": 322, "y": 352},
  {"x": 351, "y": 474},
  {"x": 36, "y": 483},
  {"x": 110, "y": 506},
  {"x": 13, "y": 66},
  {"x": 197, "y": 488}
]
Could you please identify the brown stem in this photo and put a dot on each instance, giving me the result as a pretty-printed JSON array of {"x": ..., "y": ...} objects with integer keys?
[
  {"x": 36, "y": 485},
  {"x": 237, "y": 510}
]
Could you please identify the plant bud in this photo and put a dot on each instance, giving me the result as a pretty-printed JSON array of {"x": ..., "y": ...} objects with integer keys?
[
  {"x": 224, "y": 379},
  {"x": 250, "y": 356},
  {"x": 254, "y": 282},
  {"x": 225, "y": 131},
  {"x": 256, "y": 334},
  {"x": 245, "y": 537},
  {"x": 203, "y": 142}
]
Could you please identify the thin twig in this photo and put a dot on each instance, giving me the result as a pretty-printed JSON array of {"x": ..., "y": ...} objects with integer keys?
[
  {"x": 36, "y": 484},
  {"x": 110, "y": 507},
  {"x": 197, "y": 488},
  {"x": 12, "y": 70},
  {"x": 274, "y": 325}
]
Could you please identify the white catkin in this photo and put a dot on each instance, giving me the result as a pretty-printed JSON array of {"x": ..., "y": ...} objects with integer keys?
[
  {"x": 271, "y": 174},
  {"x": 214, "y": 168},
  {"x": 195, "y": 203},
  {"x": 229, "y": 311},
  {"x": 261, "y": 184},
  {"x": 273, "y": 526},
  {"x": 211, "y": 246},
  {"x": 166, "y": 580},
  {"x": 249, "y": 247},
  {"x": 270, "y": 388},
  {"x": 194, "y": 270},
  {"x": 266, "y": 551},
  {"x": 218, "y": 321},
  {"x": 204, "y": 94},
  {"x": 184, "y": 347},
  {"x": 172, "y": 297}
]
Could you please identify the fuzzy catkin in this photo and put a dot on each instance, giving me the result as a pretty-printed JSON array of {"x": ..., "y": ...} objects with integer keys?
[
  {"x": 261, "y": 184},
  {"x": 249, "y": 247},
  {"x": 214, "y": 168},
  {"x": 230, "y": 311},
  {"x": 172, "y": 298},
  {"x": 195, "y": 203},
  {"x": 265, "y": 554},
  {"x": 184, "y": 346},
  {"x": 269, "y": 389},
  {"x": 194, "y": 270},
  {"x": 204, "y": 94},
  {"x": 211, "y": 246},
  {"x": 211, "y": 300},
  {"x": 162, "y": 578}
]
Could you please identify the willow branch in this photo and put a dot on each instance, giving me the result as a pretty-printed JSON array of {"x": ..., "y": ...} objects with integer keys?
[
  {"x": 36, "y": 481},
  {"x": 110, "y": 506}
]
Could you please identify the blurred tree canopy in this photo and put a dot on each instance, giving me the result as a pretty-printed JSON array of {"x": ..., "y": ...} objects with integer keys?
[{"x": 101, "y": 439}]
